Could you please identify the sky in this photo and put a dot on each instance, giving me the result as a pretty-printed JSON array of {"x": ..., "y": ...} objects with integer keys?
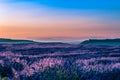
[{"x": 59, "y": 19}]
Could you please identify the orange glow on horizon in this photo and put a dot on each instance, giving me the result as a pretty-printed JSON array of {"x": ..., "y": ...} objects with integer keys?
[{"x": 39, "y": 32}]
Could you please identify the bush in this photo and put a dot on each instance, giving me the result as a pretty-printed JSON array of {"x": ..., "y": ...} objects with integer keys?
[{"x": 18, "y": 66}]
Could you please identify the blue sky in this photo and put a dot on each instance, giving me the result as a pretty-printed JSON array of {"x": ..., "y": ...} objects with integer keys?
[
  {"x": 80, "y": 18},
  {"x": 76, "y": 4},
  {"x": 105, "y": 7}
]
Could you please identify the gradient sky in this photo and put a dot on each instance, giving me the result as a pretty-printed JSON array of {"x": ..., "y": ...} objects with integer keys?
[{"x": 36, "y": 19}]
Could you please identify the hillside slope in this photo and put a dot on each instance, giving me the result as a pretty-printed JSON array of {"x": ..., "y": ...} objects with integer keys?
[{"x": 107, "y": 42}]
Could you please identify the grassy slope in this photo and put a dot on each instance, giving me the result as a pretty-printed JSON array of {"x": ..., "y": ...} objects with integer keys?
[{"x": 107, "y": 42}]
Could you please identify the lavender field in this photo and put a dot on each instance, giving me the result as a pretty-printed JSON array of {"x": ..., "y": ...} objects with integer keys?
[{"x": 59, "y": 61}]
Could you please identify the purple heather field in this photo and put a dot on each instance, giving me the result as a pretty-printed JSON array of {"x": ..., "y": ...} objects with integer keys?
[{"x": 59, "y": 61}]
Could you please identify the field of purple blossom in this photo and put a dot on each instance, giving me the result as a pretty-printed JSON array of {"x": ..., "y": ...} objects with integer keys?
[{"x": 59, "y": 62}]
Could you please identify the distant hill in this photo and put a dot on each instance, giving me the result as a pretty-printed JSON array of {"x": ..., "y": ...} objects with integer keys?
[
  {"x": 107, "y": 42},
  {"x": 17, "y": 41},
  {"x": 3, "y": 40}
]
